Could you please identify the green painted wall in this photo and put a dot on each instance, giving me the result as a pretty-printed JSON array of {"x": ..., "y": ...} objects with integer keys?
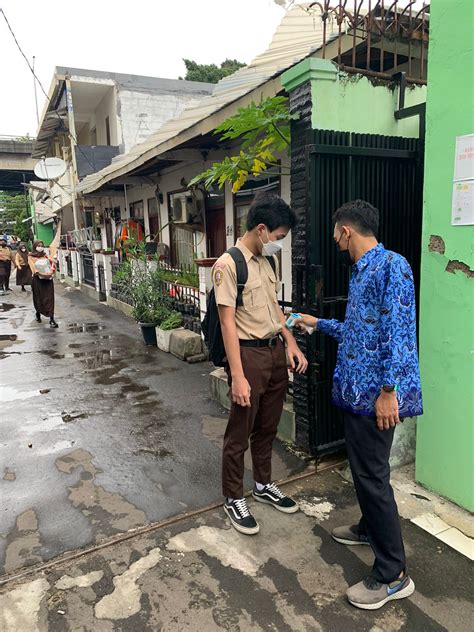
[
  {"x": 45, "y": 232},
  {"x": 444, "y": 459},
  {"x": 353, "y": 103}
]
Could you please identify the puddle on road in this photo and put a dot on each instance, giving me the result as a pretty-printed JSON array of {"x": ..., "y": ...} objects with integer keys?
[
  {"x": 78, "y": 328},
  {"x": 6, "y": 307},
  {"x": 10, "y": 394},
  {"x": 91, "y": 359}
]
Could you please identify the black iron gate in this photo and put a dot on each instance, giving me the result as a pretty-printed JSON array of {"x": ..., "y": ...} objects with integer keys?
[{"x": 387, "y": 172}]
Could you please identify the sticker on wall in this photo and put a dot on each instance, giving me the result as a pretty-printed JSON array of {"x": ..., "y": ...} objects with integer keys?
[{"x": 462, "y": 207}]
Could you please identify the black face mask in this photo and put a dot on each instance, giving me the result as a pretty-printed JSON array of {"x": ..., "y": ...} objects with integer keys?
[{"x": 344, "y": 256}]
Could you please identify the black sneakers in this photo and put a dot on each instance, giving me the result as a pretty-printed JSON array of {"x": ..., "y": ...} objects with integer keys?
[
  {"x": 271, "y": 495},
  {"x": 240, "y": 516}
]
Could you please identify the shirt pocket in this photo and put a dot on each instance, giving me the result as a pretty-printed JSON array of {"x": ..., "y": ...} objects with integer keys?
[
  {"x": 254, "y": 296},
  {"x": 274, "y": 287}
]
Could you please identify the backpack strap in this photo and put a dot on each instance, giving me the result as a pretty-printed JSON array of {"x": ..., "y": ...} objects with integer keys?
[
  {"x": 242, "y": 272},
  {"x": 272, "y": 262}
]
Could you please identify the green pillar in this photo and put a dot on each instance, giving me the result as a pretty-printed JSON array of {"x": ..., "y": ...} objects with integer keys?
[{"x": 444, "y": 459}]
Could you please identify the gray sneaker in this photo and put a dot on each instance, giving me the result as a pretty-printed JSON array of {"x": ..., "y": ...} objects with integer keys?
[
  {"x": 372, "y": 595},
  {"x": 349, "y": 535}
]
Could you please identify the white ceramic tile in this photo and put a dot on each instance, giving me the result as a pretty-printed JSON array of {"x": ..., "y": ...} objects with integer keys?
[
  {"x": 457, "y": 540},
  {"x": 431, "y": 522}
]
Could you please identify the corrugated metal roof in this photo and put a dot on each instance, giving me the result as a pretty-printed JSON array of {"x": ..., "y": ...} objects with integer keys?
[{"x": 298, "y": 35}]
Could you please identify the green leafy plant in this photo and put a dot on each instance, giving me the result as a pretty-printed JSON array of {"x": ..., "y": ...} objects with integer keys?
[
  {"x": 264, "y": 131},
  {"x": 173, "y": 321},
  {"x": 190, "y": 278}
]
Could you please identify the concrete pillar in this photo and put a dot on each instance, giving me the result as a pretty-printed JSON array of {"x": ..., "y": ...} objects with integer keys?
[
  {"x": 98, "y": 257},
  {"x": 229, "y": 215},
  {"x": 108, "y": 259},
  {"x": 61, "y": 264},
  {"x": 205, "y": 286}
]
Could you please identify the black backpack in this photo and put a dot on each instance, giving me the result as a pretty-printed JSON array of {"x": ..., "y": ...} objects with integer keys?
[{"x": 211, "y": 326}]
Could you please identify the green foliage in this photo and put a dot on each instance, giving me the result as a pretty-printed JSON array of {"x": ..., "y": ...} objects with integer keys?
[
  {"x": 13, "y": 209},
  {"x": 190, "y": 278},
  {"x": 210, "y": 73},
  {"x": 20, "y": 229},
  {"x": 144, "y": 311},
  {"x": 264, "y": 131},
  {"x": 141, "y": 279},
  {"x": 173, "y": 321}
]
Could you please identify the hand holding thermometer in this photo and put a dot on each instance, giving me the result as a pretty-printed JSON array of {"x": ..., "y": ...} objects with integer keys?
[{"x": 293, "y": 317}]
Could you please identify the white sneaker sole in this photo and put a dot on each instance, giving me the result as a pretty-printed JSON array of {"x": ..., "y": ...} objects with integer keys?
[
  {"x": 287, "y": 510},
  {"x": 401, "y": 594},
  {"x": 237, "y": 527},
  {"x": 349, "y": 542}
]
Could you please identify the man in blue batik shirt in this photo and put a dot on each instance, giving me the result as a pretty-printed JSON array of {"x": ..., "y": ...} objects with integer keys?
[{"x": 376, "y": 385}]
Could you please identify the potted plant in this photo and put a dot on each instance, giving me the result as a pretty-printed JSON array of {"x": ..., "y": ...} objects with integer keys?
[
  {"x": 148, "y": 317},
  {"x": 173, "y": 321}
]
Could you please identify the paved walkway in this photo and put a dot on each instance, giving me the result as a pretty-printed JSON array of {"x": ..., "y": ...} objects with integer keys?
[
  {"x": 201, "y": 575},
  {"x": 98, "y": 433}
]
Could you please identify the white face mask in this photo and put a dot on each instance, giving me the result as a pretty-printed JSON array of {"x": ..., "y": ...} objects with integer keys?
[
  {"x": 40, "y": 248},
  {"x": 270, "y": 248}
]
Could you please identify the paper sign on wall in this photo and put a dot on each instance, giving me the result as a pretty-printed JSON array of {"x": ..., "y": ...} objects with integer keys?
[
  {"x": 463, "y": 203},
  {"x": 462, "y": 209}
]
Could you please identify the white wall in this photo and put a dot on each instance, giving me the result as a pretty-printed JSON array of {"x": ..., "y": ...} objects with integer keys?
[
  {"x": 141, "y": 113},
  {"x": 107, "y": 107}
]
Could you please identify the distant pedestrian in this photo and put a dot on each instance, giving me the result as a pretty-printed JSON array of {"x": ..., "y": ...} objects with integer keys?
[
  {"x": 23, "y": 271},
  {"x": 7, "y": 259},
  {"x": 42, "y": 269},
  {"x": 376, "y": 385}
]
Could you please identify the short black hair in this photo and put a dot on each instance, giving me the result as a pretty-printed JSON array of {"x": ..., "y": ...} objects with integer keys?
[
  {"x": 269, "y": 209},
  {"x": 361, "y": 215}
]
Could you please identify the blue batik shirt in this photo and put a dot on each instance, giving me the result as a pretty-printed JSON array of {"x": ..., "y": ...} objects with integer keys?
[{"x": 377, "y": 340}]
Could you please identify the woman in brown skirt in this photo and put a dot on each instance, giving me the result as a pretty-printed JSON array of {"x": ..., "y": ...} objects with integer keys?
[
  {"x": 23, "y": 270},
  {"x": 42, "y": 284},
  {"x": 6, "y": 260}
]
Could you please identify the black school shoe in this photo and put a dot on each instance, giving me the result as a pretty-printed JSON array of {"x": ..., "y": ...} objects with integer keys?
[
  {"x": 240, "y": 517},
  {"x": 271, "y": 495}
]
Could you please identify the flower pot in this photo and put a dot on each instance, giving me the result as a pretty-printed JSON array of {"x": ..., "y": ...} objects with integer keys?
[
  {"x": 149, "y": 334},
  {"x": 163, "y": 337}
]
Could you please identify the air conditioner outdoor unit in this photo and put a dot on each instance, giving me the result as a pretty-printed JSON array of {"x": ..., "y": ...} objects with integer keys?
[{"x": 182, "y": 208}]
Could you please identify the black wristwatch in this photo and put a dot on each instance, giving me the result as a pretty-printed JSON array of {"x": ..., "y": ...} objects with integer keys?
[{"x": 389, "y": 388}]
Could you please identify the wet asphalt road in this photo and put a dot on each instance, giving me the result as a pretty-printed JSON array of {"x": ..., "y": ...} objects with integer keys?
[{"x": 98, "y": 433}]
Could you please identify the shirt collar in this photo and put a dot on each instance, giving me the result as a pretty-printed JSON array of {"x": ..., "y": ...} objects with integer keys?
[
  {"x": 248, "y": 254},
  {"x": 368, "y": 257}
]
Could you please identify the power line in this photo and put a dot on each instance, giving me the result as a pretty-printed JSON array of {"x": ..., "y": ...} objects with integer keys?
[{"x": 63, "y": 127}]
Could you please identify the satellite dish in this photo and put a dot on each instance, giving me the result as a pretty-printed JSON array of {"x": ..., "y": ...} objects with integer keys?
[{"x": 50, "y": 168}]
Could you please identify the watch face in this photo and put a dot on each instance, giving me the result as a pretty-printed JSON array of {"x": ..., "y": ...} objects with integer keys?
[{"x": 388, "y": 388}]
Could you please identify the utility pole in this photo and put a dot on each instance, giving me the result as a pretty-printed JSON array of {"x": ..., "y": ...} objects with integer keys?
[{"x": 73, "y": 163}]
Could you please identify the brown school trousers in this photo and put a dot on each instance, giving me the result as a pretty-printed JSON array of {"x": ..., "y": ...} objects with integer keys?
[{"x": 267, "y": 373}]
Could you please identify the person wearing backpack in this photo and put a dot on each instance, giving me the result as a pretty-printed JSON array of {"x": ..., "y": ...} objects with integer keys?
[{"x": 253, "y": 336}]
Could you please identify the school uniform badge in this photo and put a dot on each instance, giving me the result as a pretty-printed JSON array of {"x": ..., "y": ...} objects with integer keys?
[{"x": 218, "y": 277}]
